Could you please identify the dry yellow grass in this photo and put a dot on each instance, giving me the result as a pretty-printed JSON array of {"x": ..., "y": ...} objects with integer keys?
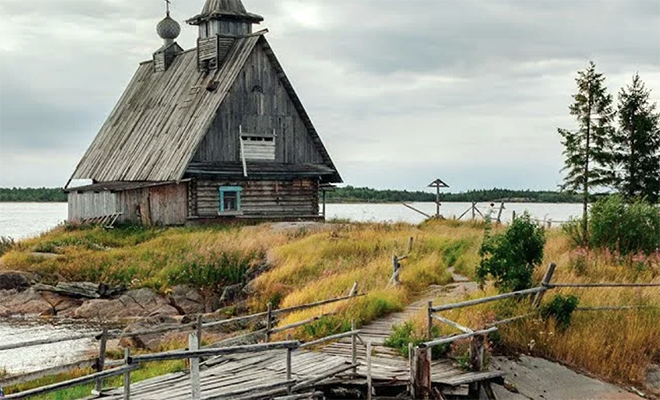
[
  {"x": 309, "y": 266},
  {"x": 618, "y": 346}
]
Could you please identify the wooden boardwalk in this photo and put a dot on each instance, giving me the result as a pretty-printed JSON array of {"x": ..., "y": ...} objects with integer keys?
[{"x": 263, "y": 375}]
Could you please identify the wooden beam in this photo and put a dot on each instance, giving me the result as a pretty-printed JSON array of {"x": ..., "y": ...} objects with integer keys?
[
  {"x": 181, "y": 355},
  {"x": 452, "y": 339},
  {"x": 452, "y": 323},
  {"x": 490, "y": 299},
  {"x": 70, "y": 383}
]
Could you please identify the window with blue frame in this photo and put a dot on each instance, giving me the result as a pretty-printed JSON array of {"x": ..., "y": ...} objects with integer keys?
[{"x": 230, "y": 199}]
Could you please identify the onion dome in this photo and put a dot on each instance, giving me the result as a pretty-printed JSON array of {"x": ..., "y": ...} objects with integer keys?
[{"x": 168, "y": 29}]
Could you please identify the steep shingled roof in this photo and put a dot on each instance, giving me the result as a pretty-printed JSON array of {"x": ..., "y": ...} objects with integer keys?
[{"x": 156, "y": 127}]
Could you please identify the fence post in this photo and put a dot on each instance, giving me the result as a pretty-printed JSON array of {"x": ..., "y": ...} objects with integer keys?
[
  {"x": 395, "y": 270},
  {"x": 353, "y": 291},
  {"x": 411, "y": 368},
  {"x": 410, "y": 245},
  {"x": 477, "y": 352},
  {"x": 369, "y": 380},
  {"x": 474, "y": 210},
  {"x": 127, "y": 374},
  {"x": 100, "y": 362},
  {"x": 200, "y": 326},
  {"x": 354, "y": 347},
  {"x": 289, "y": 353},
  {"x": 194, "y": 368},
  {"x": 422, "y": 373},
  {"x": 269, "y": 321},
  {"x": 429, "y": 320},
  {"x": 546, "y": 281},
  {"x": 514, "y": 216}
]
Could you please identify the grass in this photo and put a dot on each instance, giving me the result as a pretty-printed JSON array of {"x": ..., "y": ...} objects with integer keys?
[
  {"x": 303, "y": 266},
  {"x": 618, "y": 346}
]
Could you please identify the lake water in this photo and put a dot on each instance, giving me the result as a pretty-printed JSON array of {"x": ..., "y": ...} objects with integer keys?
[
  {"x": 44, "y": 356},
  {"x": 23, "y": 220}
]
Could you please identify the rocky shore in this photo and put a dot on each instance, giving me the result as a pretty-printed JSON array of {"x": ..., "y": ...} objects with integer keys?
[{"x": 22, "y": 295}]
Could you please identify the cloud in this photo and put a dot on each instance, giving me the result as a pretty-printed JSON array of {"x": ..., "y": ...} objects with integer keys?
[{"x": 402, "y": 92}]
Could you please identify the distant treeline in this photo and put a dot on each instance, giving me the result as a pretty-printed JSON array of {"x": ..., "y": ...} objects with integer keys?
[
  {"x": 350, "y": 194},
  {"x": 41, "y": 195}
]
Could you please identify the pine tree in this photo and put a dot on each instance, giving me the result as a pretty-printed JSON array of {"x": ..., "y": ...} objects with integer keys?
[
  {"x": 588, "y": 150},
  {"x": 637, "y": 143}
]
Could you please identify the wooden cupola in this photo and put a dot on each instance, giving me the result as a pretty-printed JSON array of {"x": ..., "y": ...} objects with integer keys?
[
  {"x": 168, "y": 30},
  {"x": 220, "y": 23}
]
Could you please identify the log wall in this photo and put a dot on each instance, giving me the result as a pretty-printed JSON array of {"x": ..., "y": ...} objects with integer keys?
[{"x": 276, "y": 199}]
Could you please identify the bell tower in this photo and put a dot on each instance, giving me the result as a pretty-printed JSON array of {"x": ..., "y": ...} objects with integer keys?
[{"x": 220, "y": 23}]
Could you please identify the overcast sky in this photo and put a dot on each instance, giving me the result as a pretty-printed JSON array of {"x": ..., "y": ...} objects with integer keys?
[{"x": 401, "y": 91}]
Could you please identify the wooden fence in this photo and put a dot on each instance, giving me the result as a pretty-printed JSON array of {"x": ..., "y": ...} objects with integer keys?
[
  {"x": 421, "y": 382},
  {"x": 100, "y": 364}
]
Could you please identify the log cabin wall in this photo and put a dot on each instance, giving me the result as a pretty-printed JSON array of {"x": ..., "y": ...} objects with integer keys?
[
  {"x": 259, "y": 103},
  {"x": 278, "y": 199}
]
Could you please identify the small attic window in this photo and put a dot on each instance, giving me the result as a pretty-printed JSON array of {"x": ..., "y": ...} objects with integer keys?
[{"x": 258, "y": 147}]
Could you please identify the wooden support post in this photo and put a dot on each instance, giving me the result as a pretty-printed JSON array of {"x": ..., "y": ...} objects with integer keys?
[
  {"x": 369, "y": 380},
  {"x": 269, "y": 321},
  {"x": 429, "y": 320},
  {"x": 200, "y": 326},
  {"x": 411, "y": 369},
  {"x": 127, "y": 375},
  {"x": 354, "y": 347},
  {"x": 100, "y": 362},
  {"x": 422, "y": 373},
  {"x": 289, "y": 354},
  {"x": 547, "y": 278},
  {"x": 474, "y": 210},
  {"x": 499, "y": 214},
  {"x": 195, "y": 381},
  {"x": 395, "y": 270},
  {"x": 353, "y": 291},
  {"x": 514, "y": 216},
  {"x": 324, "y": 203},
  {"x": 437, "y": 202},
  {"x": 477, "y": 353},
  {"x": 410, "y": 245}
]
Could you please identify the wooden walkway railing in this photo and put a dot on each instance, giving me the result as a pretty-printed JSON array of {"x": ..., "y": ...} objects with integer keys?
[
  {"x": 421, "y": 381},
  {"x": 100, "y": 363}
]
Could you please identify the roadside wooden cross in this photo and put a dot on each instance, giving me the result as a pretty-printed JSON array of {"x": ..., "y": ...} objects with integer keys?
[{"x": 438, "y": 184}]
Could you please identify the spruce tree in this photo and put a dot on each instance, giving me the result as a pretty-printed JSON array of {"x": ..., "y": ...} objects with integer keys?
[
  {"x": 588, "y": 150},
  {"x": 637, "y": 143}
]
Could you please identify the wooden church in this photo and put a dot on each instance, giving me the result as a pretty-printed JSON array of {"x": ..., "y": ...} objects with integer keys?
[{"x": 214, "y": 132}]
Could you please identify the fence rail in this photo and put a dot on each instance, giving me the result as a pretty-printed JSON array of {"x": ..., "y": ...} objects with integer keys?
[{"x": 209, "y": 351}]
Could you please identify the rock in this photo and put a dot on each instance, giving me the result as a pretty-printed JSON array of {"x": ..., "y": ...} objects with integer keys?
[
  {"x": 137, "y": 303},
  {"x": 82, "y": 290},
  {"x": 29, "y": 302},
  {"x": 62, "y": 305},
  {"x": 230, "y": 293},
  {"x": 10, "y": 280},
  {"x": 188, "y": 299},
  {"x": 149, "y": 342}
]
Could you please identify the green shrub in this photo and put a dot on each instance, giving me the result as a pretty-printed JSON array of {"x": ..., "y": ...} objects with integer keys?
[
  {"x": 561, "y": 308},
  {"x": 214, "y": 273},
  {"x": 404, "y": 334},
  {"x": 511, "y": 257},
  {"x": 625, "y": 228}
]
